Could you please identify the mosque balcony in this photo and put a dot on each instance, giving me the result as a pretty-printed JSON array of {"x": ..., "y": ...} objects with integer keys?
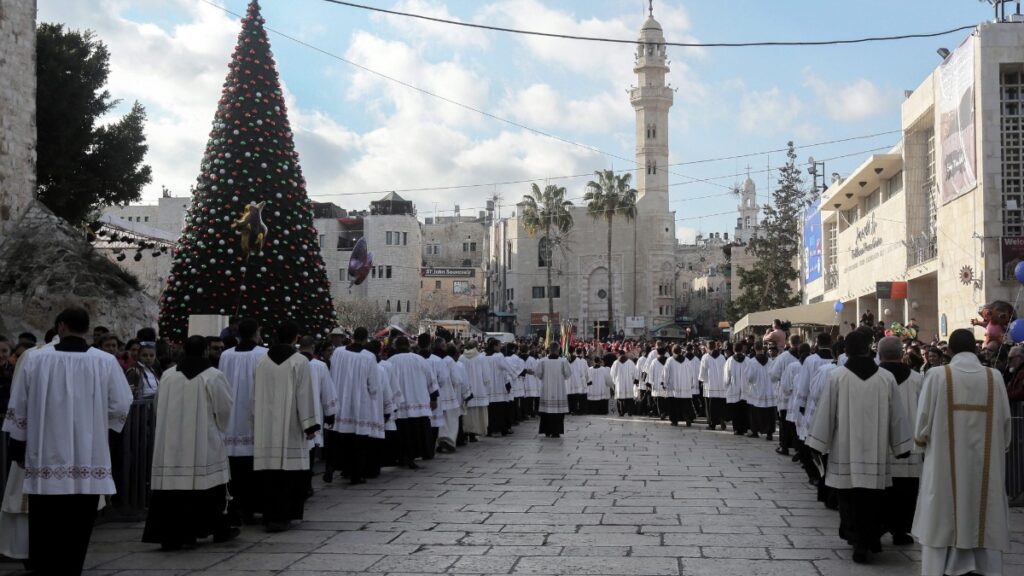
[{"x": 638, "y": 94}]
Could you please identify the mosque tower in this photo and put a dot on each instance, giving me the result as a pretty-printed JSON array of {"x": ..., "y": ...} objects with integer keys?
[
  {"x": 655, "y": 245},
  {"x": 746, "y": 224}
]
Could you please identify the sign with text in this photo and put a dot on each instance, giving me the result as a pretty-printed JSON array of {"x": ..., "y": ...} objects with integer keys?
[
  {"x": 812, "y": 244},
  {"x": 633, "y": 322},
  {"x": 448, "y": 272},
  {"x": 955, "y": 101},
  {"x": 1011, "y": 252}
]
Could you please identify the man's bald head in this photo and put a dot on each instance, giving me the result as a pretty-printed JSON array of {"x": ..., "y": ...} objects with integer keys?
[{"x": 890, "y": 349}]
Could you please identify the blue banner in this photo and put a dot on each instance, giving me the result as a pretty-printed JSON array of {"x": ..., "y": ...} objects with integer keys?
[{"x": 812, "y": 244}]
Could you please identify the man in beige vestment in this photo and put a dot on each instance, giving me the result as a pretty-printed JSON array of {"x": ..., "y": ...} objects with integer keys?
[{"x": 963, "y": 425}]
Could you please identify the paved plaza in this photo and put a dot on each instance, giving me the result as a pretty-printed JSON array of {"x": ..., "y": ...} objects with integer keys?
[{"x": 612, "y": 497}]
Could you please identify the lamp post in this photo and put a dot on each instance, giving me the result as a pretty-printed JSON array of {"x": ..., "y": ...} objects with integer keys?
[{"x": 816, "y": 169}]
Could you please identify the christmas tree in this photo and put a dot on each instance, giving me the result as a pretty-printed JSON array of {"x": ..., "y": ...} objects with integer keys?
[{"x": 249, "y": 248}]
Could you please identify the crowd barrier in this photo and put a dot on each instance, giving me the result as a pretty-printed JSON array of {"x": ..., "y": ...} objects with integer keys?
[{"x": 1015, "y": 456}]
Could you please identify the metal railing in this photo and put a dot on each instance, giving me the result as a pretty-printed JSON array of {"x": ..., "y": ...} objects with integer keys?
[
  {"x": 1015, "y": 456},
  {"x": 920, "y": 250},
  {"x": 131, "y": 457}
]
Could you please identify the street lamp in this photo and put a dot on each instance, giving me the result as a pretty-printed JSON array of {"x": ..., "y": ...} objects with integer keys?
[{"x": 816, "y": 169}]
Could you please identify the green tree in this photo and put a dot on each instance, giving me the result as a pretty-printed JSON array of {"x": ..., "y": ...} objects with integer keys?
[
  {"x": 775, "y": 248},
  {"x": 82, "y": 167},
  {"x": 249, "y": 247},
  {"x": 547, "y": 212},
  {"x": 607, "y": 196}
]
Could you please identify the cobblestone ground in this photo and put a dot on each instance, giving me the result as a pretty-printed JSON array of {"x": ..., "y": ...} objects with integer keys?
[{"x": 612, "y": 496}]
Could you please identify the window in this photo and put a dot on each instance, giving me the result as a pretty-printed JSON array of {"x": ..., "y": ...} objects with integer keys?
[
  {"x": 469, "y": 246},
  {"x": 320, "y": 240},
  {"x": 460, "y": 287},
  {"x": 405, "y": 242},
  {"x": 387, "y": 271},
  {"x": 538, "y": 291},
  {"x": 373, "y": 272},
  {"x": 407, "y": 307},
  {"x": 1011, "y": 95},
  {"x": 387, "y": 238},
  {"x": 850, "y": 215},
  {"x": 437, "y": 284},
  {"x": 872, "y": 201},
  {"x": 431, "y": 249},
  {"x": 508, "y": 255},
  {"x": 342, "y": 274},
  {"x": 147, "y": 218},
  {"x": 892, "y": 187},
  {"x": 556, "y": 291},
  {"x": 652, "y": 166},
  {"x": 543, "y": 252},
  {"x": 387, "y": 306},
  {"x": 398, "y": 303}
]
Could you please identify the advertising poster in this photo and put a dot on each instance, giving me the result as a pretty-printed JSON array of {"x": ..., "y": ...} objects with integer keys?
[
  {"x": 957, "y": 173},
  {"x": 812, "y": 244}
]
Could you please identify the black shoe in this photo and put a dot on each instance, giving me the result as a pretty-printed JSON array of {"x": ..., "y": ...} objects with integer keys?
[
  {"x": 752, "y": 435},
  {"x": 736, "y": 432},
  {"x": 356, "y": 481},
  {"x": 689, "y": 424},
  {"x": 876, "y": 546},
  {"x": 675, "y": 423},
  {"x": 556, "y": 435},
  {"x": 902, "y": 539},
  {"x": 711, "y": 426},
  {"x": 227, "y": 536},
  {"x": 768, "y": 437},
  {"x": 860, "y": 555},
  {"x": 329, "y": 476},
  {"x": 782, "y": 451},
  {"x": 796, "y": 457},
  {"x": 412, "y": 466},
  {"x": 276, "y": 526},
  {"x": 723, "y": 426}
]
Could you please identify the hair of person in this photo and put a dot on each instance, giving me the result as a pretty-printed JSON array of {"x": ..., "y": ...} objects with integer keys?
[
  {"x": 4, "y": 339},
  {"x": 99, "y": 341},
  {"x": 794, "y": 340},
  {"x": 27, "y": 337},
  {"x": 307, "y": 342},
  {"x": 609, "y": 360},
  {"x": 804, "y": 350},
  {"x": 76, "y": 320},
  {"x": 511, "y": 347},
  {"x": 759, "y": 347},
  {"x": 824, "y": 340},
  {"x": 677, "y": 350},
  {"x": 401, "y": 344},
  {"x": 890, "y": 349},
  {"x": 360, "y": 334},
  {"x": 739, "y": 347},
  {"x": 961, "y": 340},
  {"x": 287, "y": 332},
  {"x": 195, "y": 346},
  {"x": 101, "y": 329},
  {"x": 213, "y": 339},
  {"x": 147, "y": 334},
  {"x": 423, "y": 341},
  {"x": 323, "y": 345},
  {"x": 247, "y": 328},
  {"x": 858, "y": 344},
  {"x": 374, "y": 346}
]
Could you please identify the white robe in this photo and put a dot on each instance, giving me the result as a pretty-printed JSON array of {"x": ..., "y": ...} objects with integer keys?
[
  {"x": 789, "y": 376},
  {"x": 460, "y": 384},
  {"x": 446, "y": 399},
  {"x": 532, "y": 382},
  {"x": 692, "y": 371},
  {"x": 518, "y": 366},
  {"x": 501, "y": 374},
  {"x": 656, "y": 378},
  {"x": 818, "y": 382},
  {"x": 283, "y": 408},
  {"x": 601, "y": 384},
  {"x": 553, "y": 374},
  {"x": 624, "y": 374},
  {"x": 62, "y": 405},
  {"x": 857, "y": 423},
  {"x": 240, "y": 369},
  {"x": 955, "y": 508},
  {"x": 802, "y": 385},
  {"x": 478, "y": 375},
  {"x": 759, "y": 393},
  {"x": 778, "y": 368},
  {"x": 676, "y": 378},
  {"x": 579, "y": 376},
  {"x": 392, "y": 396},
  {"x": 735, "y": 376},
  {"x": 910, "y": 393},
  {"x": 356, "y": 381},
  {"x": 191, "y": 416},
  {"x": 323, "y": 389},
  {"x": 712, "y": 375},
  {"x": 415, "y": 380}
]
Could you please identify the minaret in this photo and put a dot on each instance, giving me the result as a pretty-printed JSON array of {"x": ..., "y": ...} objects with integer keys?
[
  {"x": 746, "y": 224},
  {"x": 651, "y": 99}
]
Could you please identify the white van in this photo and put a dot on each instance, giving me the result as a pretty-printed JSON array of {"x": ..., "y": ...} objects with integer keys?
[{"x": 503, "y": 337}]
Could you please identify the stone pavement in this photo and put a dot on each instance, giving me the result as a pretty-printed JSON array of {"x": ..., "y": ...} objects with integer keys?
[{"x": 612, "y": 496}]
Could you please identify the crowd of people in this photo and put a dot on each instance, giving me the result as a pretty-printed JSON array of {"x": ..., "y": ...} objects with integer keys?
[{"x": 242, "y": 417}]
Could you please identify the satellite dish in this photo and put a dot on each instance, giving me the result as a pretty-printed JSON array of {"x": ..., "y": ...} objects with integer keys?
[{"x": 360, "y": 263}]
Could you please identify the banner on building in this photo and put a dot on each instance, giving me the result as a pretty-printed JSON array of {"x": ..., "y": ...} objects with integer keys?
[
  {"x": 812, "y": 243},
  {"x": 448, "y": 272},
  {"x": 543, "y": 318},
  {"x": 1011, "y": 252},
  {"x": 957, "y": 167},
  {"x": 891, "y": 290},
  {"x": 634, "y": 322}
]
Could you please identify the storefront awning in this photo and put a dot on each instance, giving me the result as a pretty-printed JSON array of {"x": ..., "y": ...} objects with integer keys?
[{"x": 820, "y": 314}]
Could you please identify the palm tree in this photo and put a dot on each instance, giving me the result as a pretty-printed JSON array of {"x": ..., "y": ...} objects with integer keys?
[
  {"x": 547, "y": 212},
  {"x": 606, "y": 197}
]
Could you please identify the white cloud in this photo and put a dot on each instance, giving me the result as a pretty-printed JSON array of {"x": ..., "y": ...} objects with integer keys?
[
  {"x": 852, "y": 102},
  {"x": 541, "y": 106},
  {"x": 685, "y": 234},
  {"x": 424, "y": 32},
  {"x": 768, "y": 111}
]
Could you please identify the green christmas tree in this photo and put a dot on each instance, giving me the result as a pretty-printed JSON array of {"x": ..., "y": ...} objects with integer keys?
[{"x": 249, "y": 247}]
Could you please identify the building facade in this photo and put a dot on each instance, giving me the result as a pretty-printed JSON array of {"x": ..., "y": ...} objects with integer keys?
[
  {"x": 452, "y": 279},
  {"x": 932, "y": 229}
]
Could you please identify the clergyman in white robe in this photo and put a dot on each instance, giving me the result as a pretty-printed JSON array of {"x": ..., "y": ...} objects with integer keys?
[
  {"x": 712, "y": 379},
  {"x": 239, "y": 367},
  {"x": 356, "y": 381},
  {"x": 963, "y": 426},
  {"x": 626, "y": 376},
  {"x": 478, "y": 376},
  {"x": 553, "y": 372}
]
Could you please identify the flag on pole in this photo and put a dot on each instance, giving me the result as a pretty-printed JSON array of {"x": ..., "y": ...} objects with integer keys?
[{"x": 547, "y": 337}]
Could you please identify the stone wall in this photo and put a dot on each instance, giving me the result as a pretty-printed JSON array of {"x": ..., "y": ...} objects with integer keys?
[{"x": 17, "y": 109}]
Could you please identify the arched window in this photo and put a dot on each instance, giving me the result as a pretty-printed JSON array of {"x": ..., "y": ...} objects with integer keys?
[
  {"x": 398, "y": 304},
  {"x": 543, "y": 252},
  {"x": 387, "y": 306}
]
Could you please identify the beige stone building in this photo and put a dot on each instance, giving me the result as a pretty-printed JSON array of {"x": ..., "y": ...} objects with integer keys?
[
  {"x": 453, "y": 275},
  {"x": 942, "y": 214},
  {"x": 17, "y": 109}
]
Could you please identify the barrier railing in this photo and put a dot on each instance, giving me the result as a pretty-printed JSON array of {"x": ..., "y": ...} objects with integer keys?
[
  {"x": 131, "y": 456},
  {"x": 1015, "y": 456}
]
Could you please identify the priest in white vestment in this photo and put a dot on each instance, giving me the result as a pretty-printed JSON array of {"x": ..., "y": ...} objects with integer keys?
[
  {"x": 239, "y": 367},
  {"x": 760, "y": 394},
  {"x": 553, "y": 371},
  {"x": 417, "y": 384},
  {"x": 901, "y": 497},
  {"x": 327, "y": 400},
  {"x": 284, "y": 418},
  {"x": 356, "y": 382},
  {"x": 677, "y": 381},
  {"x": 712, "y": 379},
  {"x": 963, "y": 426},
  {"x": 532, "y": 384},
  {"x": 501, "y": 391},
  {"x": 656, "y": 384},
  {"x": 627, "y": 378},
  {"x": 577, "y": 384},
  {"x": 478, "y": 376},
  {"x": 821, "y": 356},
  {"x": 64, "y": 400},
  {"x": 735, "y": 381},
  {"x": 787, "y": 429},
  {"x": 602, "y": 387},
  {"x": 859, "y": 419},
  {"x": 449, "y": 403},
  {"x": 190, "y": 463}
]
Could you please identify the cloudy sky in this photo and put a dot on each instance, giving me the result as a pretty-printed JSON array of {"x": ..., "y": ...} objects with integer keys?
[{"x": 359, "y": 134}]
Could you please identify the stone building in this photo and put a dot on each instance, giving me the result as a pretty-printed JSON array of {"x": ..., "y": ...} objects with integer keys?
[
  {"x": 937, "y": 223},
  {"x": 17, "y": 109},
  {"x": 453, "y": 273},
  {"x": 703, "y": 283},
  {"x": 643, "y": 257},
  {"x": 746, "y": 228}
]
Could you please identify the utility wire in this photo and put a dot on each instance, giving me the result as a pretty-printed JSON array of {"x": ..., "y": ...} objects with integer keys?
[{"x": 682, "y": 44}]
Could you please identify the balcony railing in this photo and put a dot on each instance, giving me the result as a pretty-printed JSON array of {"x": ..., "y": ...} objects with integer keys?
[{"x": 921, "y": 249}]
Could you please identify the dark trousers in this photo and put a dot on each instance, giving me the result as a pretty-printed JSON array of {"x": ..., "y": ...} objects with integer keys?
[
  {"x": 860, "y": 517},
  {"x": 716, "y": 412},
  {"x": 787, "y": 431},
  {"x": 625, "y": 407},
  {"x": 661, "y": 407},
  {"x": 414, "y": 437},
  {"x": 59, "y": 529},
  {"x": 762, "y": 420},
  {"x": 180, "y": 517},
  {"x": 739, "y": 413},
  {"x": 350, "y": 455},
  {"x": 496, "y": 414},
  {"x": 243, "y": 490},
  {"x": 900, "y": 504},
  {"x": 283, "y": 493},
  {"x": 552, "y": 424}
]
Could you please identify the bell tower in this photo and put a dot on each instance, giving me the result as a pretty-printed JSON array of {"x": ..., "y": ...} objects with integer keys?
[{"x": 651, "y": 98}]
